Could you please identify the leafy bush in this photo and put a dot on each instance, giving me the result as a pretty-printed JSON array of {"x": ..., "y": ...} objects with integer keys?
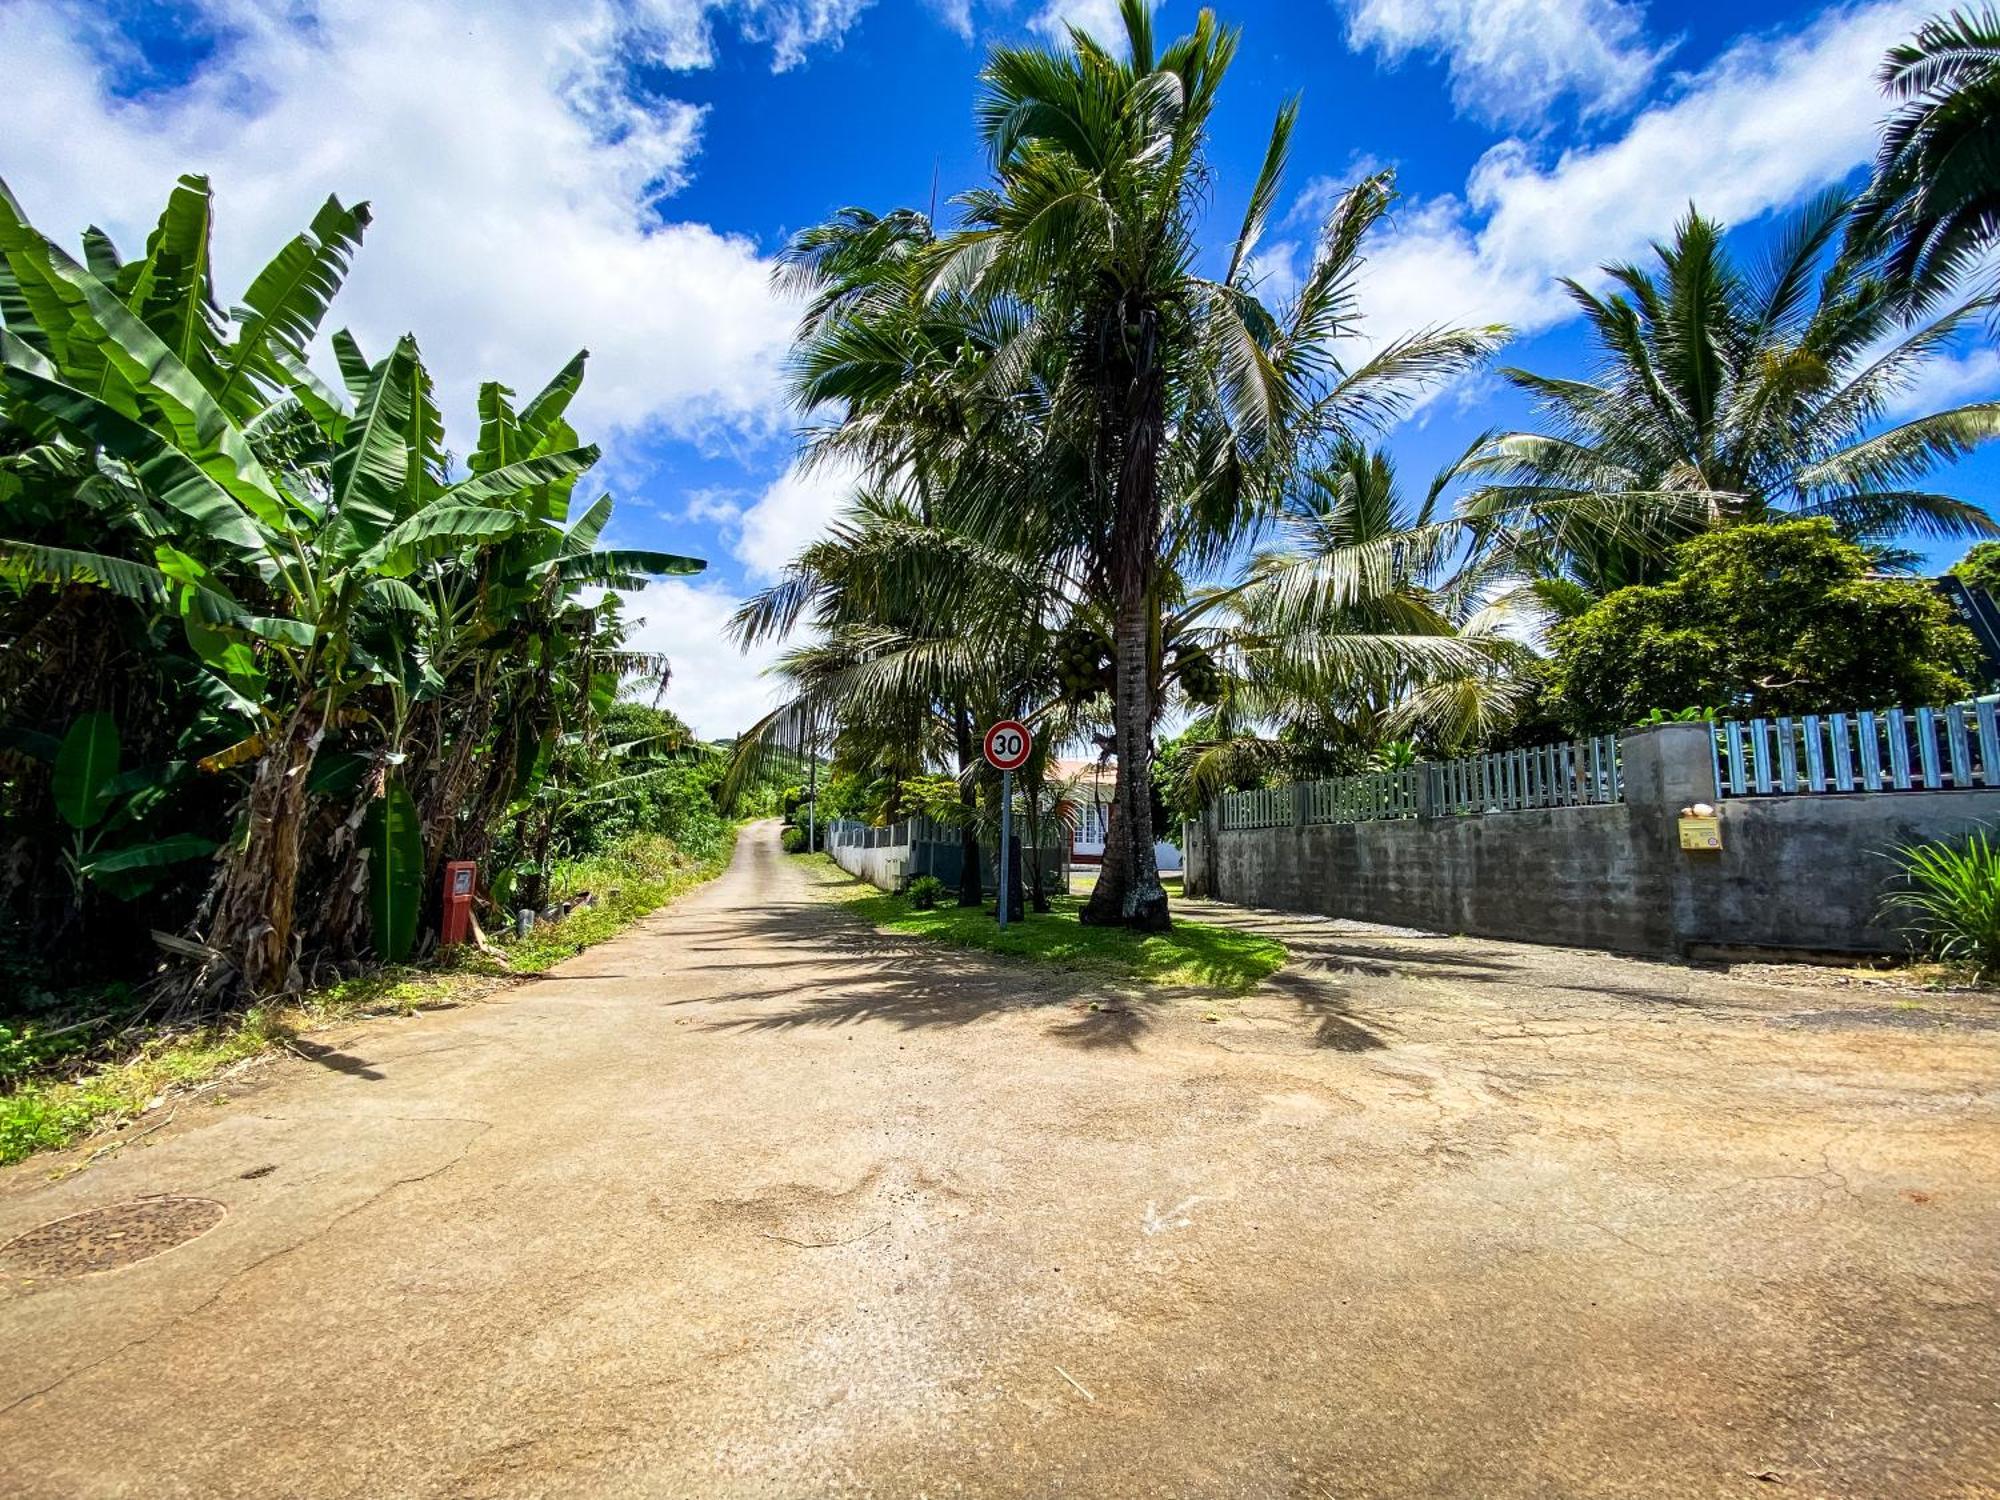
[
  {"x": 1980, "y": 567},
  {"x": 927, "y": 892},
  {"x": 794, "y": 840},
  {"x": 1950, "y": 907},
  {"x": 1767, "y": 619}
]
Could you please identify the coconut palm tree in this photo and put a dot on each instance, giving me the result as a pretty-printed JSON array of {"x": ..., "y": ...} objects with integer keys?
[
  {"x": 1933, "y": 205},
  {"x": 1725, "y": 396},
  {"x": 1364, "y": 621},
  {"x": 1090, "y": 236}
]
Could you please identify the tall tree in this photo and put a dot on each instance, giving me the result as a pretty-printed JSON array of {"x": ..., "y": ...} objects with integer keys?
[
  {"x": 1933, "y": 204},
  {"x": 1092, "y": 229},
  {"x": 1725, "y": 396}
]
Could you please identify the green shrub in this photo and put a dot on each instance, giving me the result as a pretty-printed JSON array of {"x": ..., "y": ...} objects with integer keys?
[
  {"x": 1980, "y": 567},
  {"x": 1950, "y": 906},
  {"x": 1782, "y": 618},
  {"x": 927, "y": 892},
  {"x": 794, "y": 840}
]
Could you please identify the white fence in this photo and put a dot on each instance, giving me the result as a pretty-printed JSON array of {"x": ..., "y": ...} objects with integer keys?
[
  {"x": 1951, "y": 748},
  {"x": 892, "y": 856}
]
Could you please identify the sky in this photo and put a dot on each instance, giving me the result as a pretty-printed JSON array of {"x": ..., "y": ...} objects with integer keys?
[{"x": 616, "y": 175}]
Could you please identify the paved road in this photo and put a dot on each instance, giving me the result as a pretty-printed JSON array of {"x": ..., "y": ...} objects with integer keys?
[{"x": 753, "y": 1203}]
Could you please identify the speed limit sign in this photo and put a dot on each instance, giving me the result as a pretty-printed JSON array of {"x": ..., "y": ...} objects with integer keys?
[{"x": 1007, "y": 745}]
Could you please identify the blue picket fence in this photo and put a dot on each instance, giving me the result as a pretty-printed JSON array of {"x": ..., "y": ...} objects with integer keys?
[
  {"x": 1581, "y": 773},
  {"x": 1954, "y": 748}
]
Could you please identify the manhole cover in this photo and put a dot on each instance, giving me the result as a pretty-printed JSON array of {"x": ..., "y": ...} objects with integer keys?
[{"x": 102, "y": 1239}]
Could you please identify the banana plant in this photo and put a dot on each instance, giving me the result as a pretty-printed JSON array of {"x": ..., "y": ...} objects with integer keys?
[
  {"x": 301, "y": 539},
  {"x": 104, "y": 806}
]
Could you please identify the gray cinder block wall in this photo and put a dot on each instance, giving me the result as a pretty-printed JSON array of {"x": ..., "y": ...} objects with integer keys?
[{"x": 1794, "y": 874}]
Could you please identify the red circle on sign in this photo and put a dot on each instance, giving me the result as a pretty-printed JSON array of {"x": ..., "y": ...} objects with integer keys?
[{"x": 1008, "y": 744}]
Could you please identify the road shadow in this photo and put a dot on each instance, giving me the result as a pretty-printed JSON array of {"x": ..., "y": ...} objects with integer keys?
[
  {"x": 1330, "y": 1012},
  {"x": 338, "y": 1062},
  {"x": 1103, "y": 1027},
  {"x": 856, "y": 974}
]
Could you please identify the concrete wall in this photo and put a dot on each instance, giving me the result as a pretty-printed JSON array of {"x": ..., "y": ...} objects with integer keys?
[
  {"x": 884, "y": 867},
  {"x": 923, "y": 848},
  {"x": 1804, "y": 873}
]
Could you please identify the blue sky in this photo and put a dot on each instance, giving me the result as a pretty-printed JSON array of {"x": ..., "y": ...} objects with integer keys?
[{"x": 614, "y": 174}]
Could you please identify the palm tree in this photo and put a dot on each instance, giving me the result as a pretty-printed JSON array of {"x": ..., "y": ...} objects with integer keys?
[
  {"x": 1933, "y": 205},
  {"x": 921, "y": 626},
  {"x": 1367, "y": 620},
  {"x": 1091, "y": 230},
  {"x": 1724, "y": 397},
  {"x": 889, "y": 354}
]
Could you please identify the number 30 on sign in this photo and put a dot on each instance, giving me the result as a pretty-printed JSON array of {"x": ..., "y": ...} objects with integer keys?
[{"x": 1007, "y": 745}]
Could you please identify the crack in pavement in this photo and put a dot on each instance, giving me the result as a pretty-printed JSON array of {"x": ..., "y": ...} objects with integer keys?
[{"x": 175, "y": 1320}]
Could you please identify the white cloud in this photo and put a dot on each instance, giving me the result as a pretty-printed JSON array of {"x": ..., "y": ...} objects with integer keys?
[
  {"x": 955, "y": 15},
  {"x": 792, "y": 512},
  {"x": 514, "y": 164},
  {"x": 795, "y": 28},
  {"x": 716, "y": 688},
  {"x": 1510, "y": 60},
  {"x": 1761, "y": 128},
  {"x": 722, "y": 507},
  {"x": 1274, "y": 270},
  {"x": 1949, "y": 381},
  {"x": 1322, "y": 193},
  {"x": 1096, "y": 18}
]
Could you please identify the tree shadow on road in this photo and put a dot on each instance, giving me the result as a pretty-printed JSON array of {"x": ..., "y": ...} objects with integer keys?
[{"x": 855, "y": 974}]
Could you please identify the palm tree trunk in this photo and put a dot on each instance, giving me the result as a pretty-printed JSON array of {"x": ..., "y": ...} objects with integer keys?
[
  {"x": 1114, "y": 872},
  {"x": 969, "y": 893},
  {"x": 1038, "y": 893},
  {"x": 1128, "y": 889}
]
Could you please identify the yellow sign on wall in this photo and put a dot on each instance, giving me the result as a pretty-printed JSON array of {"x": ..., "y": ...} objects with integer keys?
[{"x": 1701, "y": 833}]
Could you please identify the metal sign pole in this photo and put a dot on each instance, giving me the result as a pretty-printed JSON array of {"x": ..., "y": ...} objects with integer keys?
[{"x": 1006, "y": 837}]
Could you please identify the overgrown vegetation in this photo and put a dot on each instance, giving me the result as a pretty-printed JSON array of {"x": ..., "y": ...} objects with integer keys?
[
  {"x": 269, "y": 654},
  {"x": 50, "y": 1097},
  {"x": 1949, "y": 904}
]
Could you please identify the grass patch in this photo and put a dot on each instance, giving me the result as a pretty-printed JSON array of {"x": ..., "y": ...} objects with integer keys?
[
  {"x": 48, "y": 1113},
  {"x": 1194, "y": 953}
]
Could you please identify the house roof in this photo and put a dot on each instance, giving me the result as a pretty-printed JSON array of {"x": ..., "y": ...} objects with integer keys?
[{"x": 1068, "y": 769}]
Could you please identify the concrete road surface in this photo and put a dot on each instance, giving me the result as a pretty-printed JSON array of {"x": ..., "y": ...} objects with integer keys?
[{"x": 752, "y": 1202}]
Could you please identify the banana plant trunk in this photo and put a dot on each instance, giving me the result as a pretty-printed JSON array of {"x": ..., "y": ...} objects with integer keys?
[
  {"x": 448, "y": 788},
  {"x": 1128, "y": 891},
  {"x": 255, "y": 902}
]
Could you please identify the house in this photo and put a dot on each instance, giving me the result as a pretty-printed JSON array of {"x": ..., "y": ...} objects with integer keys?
[{"x": 1094, "y": 781}]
